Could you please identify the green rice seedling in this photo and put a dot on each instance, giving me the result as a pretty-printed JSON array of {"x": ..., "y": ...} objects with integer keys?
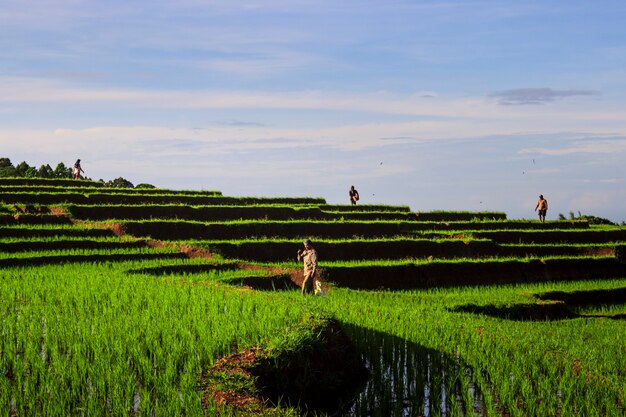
[
  {"x": 500, "y": 347},
  {"x": 108, "y": 338},
  {"x": 88, "y": 251},
  {"x": 112, "y": 338}
]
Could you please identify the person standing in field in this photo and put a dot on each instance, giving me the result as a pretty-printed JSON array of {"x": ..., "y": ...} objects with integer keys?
[
  {"x": 77, "y": 170},
  {"x": 542, "y": 206},
  {"x": 309, "y": 256},
  {"x": 354, "y": 195}
]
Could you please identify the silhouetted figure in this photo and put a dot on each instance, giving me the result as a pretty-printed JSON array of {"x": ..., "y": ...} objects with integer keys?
[
  {"x": 354, "y": 195},
  {"x": 542, "y": 206},
  {"x": 77, "y": 170}
]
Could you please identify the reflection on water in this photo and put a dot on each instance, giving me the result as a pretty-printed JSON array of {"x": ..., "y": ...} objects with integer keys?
[{"x": 407, "y": 379}]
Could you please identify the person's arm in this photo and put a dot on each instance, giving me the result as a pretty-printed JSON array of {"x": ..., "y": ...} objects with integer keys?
[{"x": 313, "y": 260}]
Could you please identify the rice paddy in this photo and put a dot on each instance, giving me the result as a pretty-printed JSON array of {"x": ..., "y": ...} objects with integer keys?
[{"x": 118, "y": 303}]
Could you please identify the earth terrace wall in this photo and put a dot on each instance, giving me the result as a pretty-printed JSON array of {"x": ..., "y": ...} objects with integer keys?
[
  {"x": 171, "y": 230},
  {"x": 25, "y": 233},
  {"x": 553, "y": 236},
  {"x": 90, "y": 258},
  {"x": 272, "y": 251},
  {"x": 456, "y": 274},
  {"x": 41, "y": 219},
  {"x": 367, "y": 207},
  {"x": 446, "y": 216},
  {"x": 223, "y": 213},
  {"x": 109, "y": 199},
  {"x": 28, "y": 246},
  {"x": 470, "y": 227},
  {"x": 7, "y": 219},
  {"x": 295, "y": 229},
  {"x": 49, "y": 182},
  {"x": 102, "y": 189}
]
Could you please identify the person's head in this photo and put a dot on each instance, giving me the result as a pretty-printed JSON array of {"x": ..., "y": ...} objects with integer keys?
[
  {"x": 307, "y": 243},
  {"x": 541, "y": 196},
  {"x": 352, "y": 187},
  {"x": 78, "y": 161}
]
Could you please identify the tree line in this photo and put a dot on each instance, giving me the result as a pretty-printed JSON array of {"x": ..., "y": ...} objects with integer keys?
[{"x": 61, "y": 171}]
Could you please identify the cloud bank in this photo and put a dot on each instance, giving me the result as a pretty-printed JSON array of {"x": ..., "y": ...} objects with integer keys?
[{"x": 524, "y": 96}]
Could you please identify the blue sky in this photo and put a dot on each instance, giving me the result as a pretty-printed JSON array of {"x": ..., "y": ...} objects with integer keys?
[{"x": 439, "y": 105}]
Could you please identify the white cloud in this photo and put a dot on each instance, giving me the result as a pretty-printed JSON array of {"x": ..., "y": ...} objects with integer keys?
[
  {"x": 590, "y": 145},
  {"x": 592, "y": 201},
  {"x": 261, "y": 64},
  {"x": 486, "y": 116}
]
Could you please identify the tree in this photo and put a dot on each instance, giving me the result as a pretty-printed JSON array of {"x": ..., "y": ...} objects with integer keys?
[
  {"x": 45, "y": 171},
  {"x": 119, "y": 183},
  {"x": 22, "y": 168},
  {"x": 6, "y": 168},
  {"x": 589, "y": 218},
  {"x": 31, "y": 172},
  {"x": 61, "y": 171},
  {"x": 142, "y": 185}
]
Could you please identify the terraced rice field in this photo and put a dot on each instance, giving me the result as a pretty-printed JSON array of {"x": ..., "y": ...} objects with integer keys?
[{"x": 132, "y": 302}]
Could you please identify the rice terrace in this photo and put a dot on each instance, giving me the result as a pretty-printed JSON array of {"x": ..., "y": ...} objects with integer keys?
[{"x": 155, "y": 302}]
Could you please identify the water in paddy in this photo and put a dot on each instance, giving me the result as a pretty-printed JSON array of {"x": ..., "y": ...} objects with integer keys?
[{"x": 406, "y": 379}]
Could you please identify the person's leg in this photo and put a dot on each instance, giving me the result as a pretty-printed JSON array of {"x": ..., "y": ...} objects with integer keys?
[{"x": 307, "y": 284}]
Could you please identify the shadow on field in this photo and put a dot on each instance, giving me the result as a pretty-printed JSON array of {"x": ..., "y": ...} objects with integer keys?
[
  {"x": 521, "y": 312},
  {"x": 279, "y": 282},
  {"x": 316, "y": 372},
  {"x": 350, "y": 371},
  {"x": 553, "y": 305},
  {"x": 274, "y": 281},
  {"x": 184, "y": 269},
  {"x": 585, "y": 298},
  {"x": 408, "y": 379},
  {"x": 91, "y": 258}
]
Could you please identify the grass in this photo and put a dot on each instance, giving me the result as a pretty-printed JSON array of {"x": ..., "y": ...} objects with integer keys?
[
  {"x": 106, "y": 338},
  {"x": 145, "y": 339},
  {"x": 133, "y": 336}
]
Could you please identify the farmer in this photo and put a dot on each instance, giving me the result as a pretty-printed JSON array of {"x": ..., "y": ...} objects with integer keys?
[
  {"x": 354, "y": 195},
  {"x": 77, "y": 170},
  {"x": 542, "y": 205},
  {"x": 309, "y": 256}
]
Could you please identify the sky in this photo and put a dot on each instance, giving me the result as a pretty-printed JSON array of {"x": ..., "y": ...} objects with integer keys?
[{"x": 438, "y": 105}]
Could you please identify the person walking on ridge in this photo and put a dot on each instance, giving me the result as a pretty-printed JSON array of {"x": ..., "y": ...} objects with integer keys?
[
  {"x": 309, "y": 256},
  {"x": 354, "y": 195},
  {"x": 77, "y": 170},
  {"x": 542, "y": 205}
]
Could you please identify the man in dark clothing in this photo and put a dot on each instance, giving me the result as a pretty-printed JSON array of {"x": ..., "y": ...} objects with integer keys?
[{"x": 354, "y": 195}]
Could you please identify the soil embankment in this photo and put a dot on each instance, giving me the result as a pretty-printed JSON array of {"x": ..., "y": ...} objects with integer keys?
[{"x": 319, "y": 375}]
